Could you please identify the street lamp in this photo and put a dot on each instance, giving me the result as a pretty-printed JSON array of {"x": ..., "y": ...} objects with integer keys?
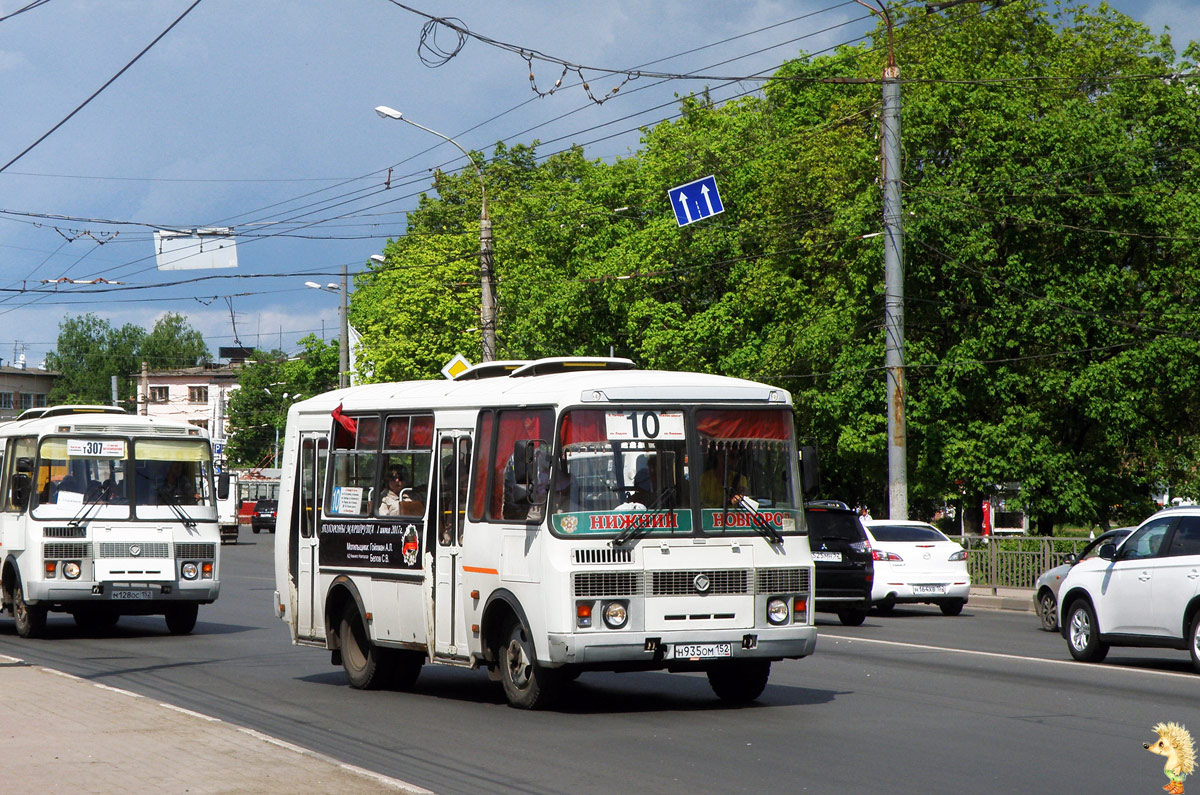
[
  {"x": 487, "y": 314},
  {"x": 344, "y": 340}
]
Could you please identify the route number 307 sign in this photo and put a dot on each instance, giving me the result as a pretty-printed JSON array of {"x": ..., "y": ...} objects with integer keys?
[{"x": 644, "y": 424}]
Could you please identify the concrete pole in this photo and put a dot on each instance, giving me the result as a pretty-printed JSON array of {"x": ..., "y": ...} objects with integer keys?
[
  {"x": 344, "y": 342},
  {"x": 144, "y": 390},
  {"x": 487, "y": 313},
  {"x": 893, "y": 302}
]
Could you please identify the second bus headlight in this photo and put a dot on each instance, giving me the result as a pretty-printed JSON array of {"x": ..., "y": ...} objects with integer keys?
[
  {"x": 615, "y": 615},
  {"x": 190, "y": 571},
  {"x": 71, "y": 570},
  {"x": 777, "y": 610}
]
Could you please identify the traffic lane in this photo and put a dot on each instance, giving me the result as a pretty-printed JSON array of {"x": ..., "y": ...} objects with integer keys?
[
  {"x": 1012, "y": 721},
  {"x": 999, "y": 631},
  {"x": 824, "y": 722}
]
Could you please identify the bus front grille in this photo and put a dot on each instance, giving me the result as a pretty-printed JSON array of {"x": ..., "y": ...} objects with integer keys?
[
  {"x": 196, "y": 551},
  {"x": 67, "y": 551},
  {"x": 590, "y": 584},
  {"x": 593, "y": 556},
  {"x": 776, "y": 581},
  {"x": 683, "y": 583},
  {"x": 133, "y": 549},
  {"x": 67, "y": 531}
]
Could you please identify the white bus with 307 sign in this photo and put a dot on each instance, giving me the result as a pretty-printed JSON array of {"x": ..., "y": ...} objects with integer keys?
[
  {"x": 103, "y": 515},
  {"x": 542, "y": 519}
]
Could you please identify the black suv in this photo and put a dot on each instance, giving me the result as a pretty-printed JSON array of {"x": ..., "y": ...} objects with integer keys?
[
  {"x": 842, "y": 560},
  {"x": 263, "y": 517}
]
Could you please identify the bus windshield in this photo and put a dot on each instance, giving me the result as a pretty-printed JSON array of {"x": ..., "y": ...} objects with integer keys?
[
  {"x": 623, "y": 471},
  {"x": 74, "y": 472},
  {"x": 621, "y": 462}
]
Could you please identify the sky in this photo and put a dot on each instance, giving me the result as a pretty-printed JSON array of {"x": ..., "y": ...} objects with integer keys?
[{"x": 257, "y": 115}]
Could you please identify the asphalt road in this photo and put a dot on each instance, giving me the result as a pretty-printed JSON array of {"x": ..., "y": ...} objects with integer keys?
[{"x": 915, "y": 702}]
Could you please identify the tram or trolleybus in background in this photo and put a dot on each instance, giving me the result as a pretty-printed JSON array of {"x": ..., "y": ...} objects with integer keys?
[
  {"x": 105, "y": 514},
  {"x": 541, "y": 519}
]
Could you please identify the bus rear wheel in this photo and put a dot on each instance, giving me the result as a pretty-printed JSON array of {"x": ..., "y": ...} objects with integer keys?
[
  {"x": 527, "y": 685},
  {"x": 739, "y": 681},
  {"x": 30, "y": 619},
  {"x": 368, "y": 667},
  {"x": 181, "y": 618}
]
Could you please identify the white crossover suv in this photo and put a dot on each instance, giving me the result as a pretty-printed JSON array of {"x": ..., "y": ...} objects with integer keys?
[{"x": 1144, "y": 591}]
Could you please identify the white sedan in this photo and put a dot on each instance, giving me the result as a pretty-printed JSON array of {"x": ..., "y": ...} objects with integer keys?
[{"x": 916, "y": 562}]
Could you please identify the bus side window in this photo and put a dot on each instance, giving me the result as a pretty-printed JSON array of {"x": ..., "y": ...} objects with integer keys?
[
  {"x": 512, "y": 500},
  {"x": 20, "y": 476}
]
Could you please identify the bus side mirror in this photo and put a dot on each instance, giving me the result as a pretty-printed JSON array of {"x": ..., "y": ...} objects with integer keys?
[
  {"x": 810, "y": 472},
  {"x": 531, "y": 472},
  {"x": 223, "y": 486}
]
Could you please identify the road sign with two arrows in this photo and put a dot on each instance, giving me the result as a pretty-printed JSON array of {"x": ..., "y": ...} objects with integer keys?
[{"x": 695, "y": 200}]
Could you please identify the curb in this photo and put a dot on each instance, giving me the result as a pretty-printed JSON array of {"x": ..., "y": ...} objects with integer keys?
[{"x": 1017, "y": 601}]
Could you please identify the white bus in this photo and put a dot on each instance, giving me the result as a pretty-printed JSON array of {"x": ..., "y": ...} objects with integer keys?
[
  {"x": 554, "y": 517},
  {"x": 105, "y": 514}
]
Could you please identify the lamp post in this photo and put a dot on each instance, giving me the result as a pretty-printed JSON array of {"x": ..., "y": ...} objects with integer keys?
[
  {"x": 344, "y": 338},
  {"x": 487, "y": 312}
]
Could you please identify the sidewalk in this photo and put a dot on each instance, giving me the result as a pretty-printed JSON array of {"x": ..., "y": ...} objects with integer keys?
[
  {"x": 64, "y": 734},
  {"x": 990, "y": 598}
]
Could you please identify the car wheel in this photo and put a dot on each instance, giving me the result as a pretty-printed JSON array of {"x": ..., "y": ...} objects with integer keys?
[
  {"x": 1048, "y": 610},
  {"x": 951, "y": 607},
  {"x": 527, "y": 685},
  {"x": 181, "y": 618},
  {"x": 1195, "y": 644},
  {"x": 368, "y": 667},
  {"x": 852, "y": 616},
  {"x": 254, "y": 530},
  {"x": 30, "y": 619},
  {"x": 886, "y": 607},
  {"x": 1083, "y": 633},
  {"x": 739, "y": 681}
]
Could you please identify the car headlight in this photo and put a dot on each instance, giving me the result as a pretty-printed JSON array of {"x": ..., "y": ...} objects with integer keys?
[
  {"x": 190, "y": 571},
  {"x": 615, "y": 615},
  {"x": 71, "y": 570},
  {"x": 777, "y": 610}
]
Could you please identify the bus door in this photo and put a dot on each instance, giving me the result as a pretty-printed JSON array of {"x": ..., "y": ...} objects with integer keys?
[
  {"x": 453, "y": 464},
  {"x": 306, "y": 518}
]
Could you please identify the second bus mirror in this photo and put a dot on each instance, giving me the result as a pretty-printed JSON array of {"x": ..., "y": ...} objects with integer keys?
[
  {"x": 531, "y": 471},
  {"x": 223, "y": 486},
  {"x": 810, "y": 472}
]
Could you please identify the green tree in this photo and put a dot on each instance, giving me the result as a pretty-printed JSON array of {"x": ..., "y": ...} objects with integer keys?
[
  {"x": 89, "y": 352},
  {"x": 173, "y": 344}
]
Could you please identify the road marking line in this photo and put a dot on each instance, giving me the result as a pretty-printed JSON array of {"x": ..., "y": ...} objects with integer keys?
[
  {"x": 1002, "y": 656},
  {"x": 174, "y": 708}
]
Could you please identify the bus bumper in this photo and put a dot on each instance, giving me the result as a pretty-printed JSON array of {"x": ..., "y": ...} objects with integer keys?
[
  {"x": 122, "y": 593},
  {"x": 657, "y": 649}
]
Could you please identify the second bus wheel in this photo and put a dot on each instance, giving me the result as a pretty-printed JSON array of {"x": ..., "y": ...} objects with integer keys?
[
  {"x": 527, "y": 685},
  {"x": 181, "y": 618},
  {"x": 368, "y": 667},
  {"x": 30, "y": 619}
]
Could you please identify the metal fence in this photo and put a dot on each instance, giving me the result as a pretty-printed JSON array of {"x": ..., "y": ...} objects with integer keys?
[{"x": 1015, "y": 561}]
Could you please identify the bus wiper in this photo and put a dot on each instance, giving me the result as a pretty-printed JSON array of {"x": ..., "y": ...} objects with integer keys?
[
  {"x": 181, "y": 514},
  {"x": 757, "y": 520},
  {"x": 637, "y": 529},
  {"x": 85, "y": 513}
]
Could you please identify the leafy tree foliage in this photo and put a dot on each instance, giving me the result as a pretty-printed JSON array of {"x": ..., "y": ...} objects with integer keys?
[
  {"x": 1052, "y": 220},
  {"x": 267, "y": 386},
  {"x": 90, "y": 351}
]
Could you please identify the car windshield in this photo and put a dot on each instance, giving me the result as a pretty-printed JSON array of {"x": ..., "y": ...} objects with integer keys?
[{"x": 905, "y": 533}]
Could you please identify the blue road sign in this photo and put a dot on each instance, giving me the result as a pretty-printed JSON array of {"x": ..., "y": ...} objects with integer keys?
[{"x": 695, "y": 200}]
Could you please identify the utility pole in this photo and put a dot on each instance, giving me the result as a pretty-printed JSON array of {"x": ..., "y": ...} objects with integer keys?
[
  {"x": 893, "y": 299},
  {"x": 893, "y": 279},
  {"x": 344, "y": 342}
]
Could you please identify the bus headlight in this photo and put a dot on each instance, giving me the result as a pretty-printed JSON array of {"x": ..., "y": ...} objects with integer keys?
[
  {"x": 71, "y": 570},
  {"x": 615, "y": 615},
  {"x": 777, "y": 610},
  {"x": 190, "y": 571}
]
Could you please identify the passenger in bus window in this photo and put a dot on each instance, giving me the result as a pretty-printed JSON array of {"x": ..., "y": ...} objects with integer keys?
[
  {"x": 716, "y": 478},
  {"x": 176, "y": 487},
  {"x": 397, "y": 497}
]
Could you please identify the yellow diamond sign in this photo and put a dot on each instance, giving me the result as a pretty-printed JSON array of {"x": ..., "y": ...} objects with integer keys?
[{"x": 456, "y": 366}]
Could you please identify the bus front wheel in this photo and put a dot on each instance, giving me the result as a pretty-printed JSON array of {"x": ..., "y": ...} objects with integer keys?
[
  {"x": 30, "y": 619},
  {"x": 527, "y": 685},
  {"x": 367, "y": 666},
  {"x": 181, "y": 618},
  {"x": 739, "y": 681}
]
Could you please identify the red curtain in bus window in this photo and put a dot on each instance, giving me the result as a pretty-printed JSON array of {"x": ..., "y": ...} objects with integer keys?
[
  {"x": 773, "y": 424},
  {"x": 346, "y": 429},
  {"x": 396, "y": 437},
  {"x": 518, "y": 424},
  {"x": 483, "y": 445},
  {"x": 422, "y": 433},
  {"x": 368, "y": 434},
  {"x": 583, "y": 425}
]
